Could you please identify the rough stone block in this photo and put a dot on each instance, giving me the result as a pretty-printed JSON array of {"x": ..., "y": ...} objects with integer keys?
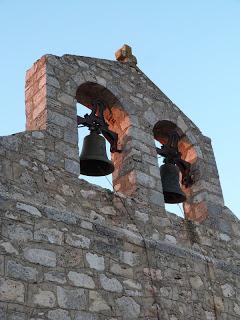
[
  {"x": 11, "y": 290},
  {"x": 146, "y": 180},
  {"x": 77, "y": 240},
  {"x": 110, "y": 284},
  {"x": 58, "y": 314},
  {"x": 81, "y": 280},
  {"x": 97, "y": 303},
  {"x": 96, "y": 262},
  {"x": 8, "y": 247},
  {"x": 29, "y": 209},
  {"x": 130, "y": 258},
  {"x": 72, "y": 166},
  {"x": 16, "y": 316},
  {"x": 65, "y": 98},
  {"x": 81, "y": 315},
  {"x": 55, "y": 276},
  {"x": 50, "y": 235},
  {"x": 44, "y": 298},
  {"x": 18, "y": 232},
  {"x": 40, "y": 256},
  {"x": 69, "y": 298},
  {"x": 67, "y": 150},
  {"x": 19, "y": 271},
  {"x": 128, "y": 309}
]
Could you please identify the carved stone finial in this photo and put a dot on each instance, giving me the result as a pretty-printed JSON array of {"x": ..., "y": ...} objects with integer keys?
[{"x": 124, "y": 54}]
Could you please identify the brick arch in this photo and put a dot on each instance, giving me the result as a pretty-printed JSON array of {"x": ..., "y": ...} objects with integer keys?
[
  {"x": 88, "y": 91},
  {"x": 196, "y": 205},
  {"x": 119, "y": 122}
]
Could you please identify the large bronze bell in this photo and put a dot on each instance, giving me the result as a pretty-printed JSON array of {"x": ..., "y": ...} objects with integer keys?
[
  {"x": 93, "y": 158},
  {"x": 170, "y": 183}
]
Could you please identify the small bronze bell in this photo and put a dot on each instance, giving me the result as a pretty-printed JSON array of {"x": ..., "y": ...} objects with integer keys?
[
  {"x": 93, "y": 158},
  {"x": 170, "y": 183}
]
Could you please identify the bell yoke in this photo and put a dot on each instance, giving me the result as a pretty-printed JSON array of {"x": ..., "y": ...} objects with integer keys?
[{"x": 94, "y": 160}]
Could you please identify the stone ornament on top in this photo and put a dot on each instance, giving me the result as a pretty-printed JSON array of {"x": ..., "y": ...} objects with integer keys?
[{"x": 124, "y": 54}]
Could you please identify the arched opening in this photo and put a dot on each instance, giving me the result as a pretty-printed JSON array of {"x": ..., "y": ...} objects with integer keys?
[
  {"x": 117, "y": 121},
  {"x": 173, "y": 208},
  {"x": 162, "y": 131}
]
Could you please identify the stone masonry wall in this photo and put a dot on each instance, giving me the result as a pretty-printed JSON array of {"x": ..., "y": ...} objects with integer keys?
[{"x": 70, "y": 250}]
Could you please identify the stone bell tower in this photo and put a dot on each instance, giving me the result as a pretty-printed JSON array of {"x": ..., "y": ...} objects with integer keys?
[{"x": 71, "y": 250}]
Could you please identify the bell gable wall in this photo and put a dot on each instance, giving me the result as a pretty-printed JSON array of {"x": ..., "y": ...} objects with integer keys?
[{"x": 73, "y": 250}]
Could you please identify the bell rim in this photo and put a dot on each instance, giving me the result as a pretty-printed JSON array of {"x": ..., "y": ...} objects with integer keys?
[
  {"x": 109, "y": 169},
  {"x": 167, "y": 198}
]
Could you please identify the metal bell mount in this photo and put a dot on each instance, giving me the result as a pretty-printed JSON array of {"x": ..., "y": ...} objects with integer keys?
[
  {"x": 169, "y": 171},
  {"x": 93, "y": 158}
]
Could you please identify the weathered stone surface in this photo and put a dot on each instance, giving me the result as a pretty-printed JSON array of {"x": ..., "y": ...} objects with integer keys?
[
  {"x": 210, "y": 315},
  {"x": 44, "y": 298},
  {"x": 110, "y": 284},
  {"x": 1, "y": 265},
  {"x": 154, "y": 274},
  {"x": 29, "y": 209},
  {"x": 11, "y": 290},
  {"x": 19, "y": 271},
  {"x": 144, "y": 217},
  {"x": 38, "y": 134},
  {"x": 17, "y": 316},
  {"x": 81, "y": 280},
  {"x": 128, "y": 308},
  {"x": 117, "y": 269},
  {"x": 81, "y": 315},
  {"x": 97, "y": 302},
  {"x": 69, "y": 298},
  {"x": 72, "y": 257},
  {"x": 8, "y": 247},
  {"x": 224, "y": 237},
  {"x": 146, "y": 180},
  {"x": 58, "y": 314},
  {"x": 171, "y": 239},
  {"x": 132, "y": 284},
  {"x": 72, "y": 166},
  {"x": 129, "y": 258},
  {"x": 66, "y": 150},
  {"x": 236, "y": 309},
  {"x": 108, "y": 210},
  {"x": 49, "y": 234},
  {"x": 18, "y": 232},
  {"x": 44, "y": 257},
  {"x": 196, "y": 282},
  {"x": 87, "y": 225},
  {"x": 3, "y": 314},
  {"x": 96, "y": 262},
  {"x": 57, "y": 215},
  {"x": 218, "y": 302},
  {"x": 65, "y": 98},
  {"x": 55, "y": 276},
  {"x": 77, "y": 240},
  {"x": 227, "y": 290}
]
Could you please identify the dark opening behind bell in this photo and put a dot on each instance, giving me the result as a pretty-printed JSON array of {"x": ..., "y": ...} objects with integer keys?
[
  {"x": 93, "y": 158},
  {"x": 170, "y": 183}
]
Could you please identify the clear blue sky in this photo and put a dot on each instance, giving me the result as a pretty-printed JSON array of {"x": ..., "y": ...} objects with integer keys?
[{"x": 190, "y": 49}]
